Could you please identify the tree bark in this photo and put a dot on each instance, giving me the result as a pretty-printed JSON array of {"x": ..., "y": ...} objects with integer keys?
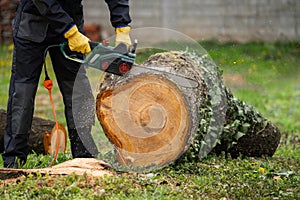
[
  {"x": 36, "y": 140},
  {"x": 154, "y": 118}
]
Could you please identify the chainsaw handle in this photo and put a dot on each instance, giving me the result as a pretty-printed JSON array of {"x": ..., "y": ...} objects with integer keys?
[
  {"x": 93, "y": 44},
  {"x": 63, "y": 46}
]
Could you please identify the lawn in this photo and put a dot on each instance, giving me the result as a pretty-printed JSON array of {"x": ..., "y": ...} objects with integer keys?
[{"x": 263, "y": 75}]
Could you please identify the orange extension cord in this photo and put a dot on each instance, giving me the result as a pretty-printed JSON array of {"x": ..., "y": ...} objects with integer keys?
[{"x": 48, "y": 84}]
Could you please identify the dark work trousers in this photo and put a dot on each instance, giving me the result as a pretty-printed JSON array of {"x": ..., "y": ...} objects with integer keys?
[{"x": 26, "y": 70}]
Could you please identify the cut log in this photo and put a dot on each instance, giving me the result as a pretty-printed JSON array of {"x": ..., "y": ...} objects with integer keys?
[
  {"x": 40, "y": 127},
  {"x": 152, "y": 119},
  {"x": 150, "y": 116}
]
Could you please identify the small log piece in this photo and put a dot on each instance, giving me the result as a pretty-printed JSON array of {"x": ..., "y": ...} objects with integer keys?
[{"x": 39, "y": 127}]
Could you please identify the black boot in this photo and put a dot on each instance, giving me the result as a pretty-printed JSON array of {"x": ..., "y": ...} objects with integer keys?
[{"x": 12, "y": 162}]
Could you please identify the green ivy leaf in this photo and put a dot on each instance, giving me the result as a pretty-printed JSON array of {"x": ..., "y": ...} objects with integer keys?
[
  {"x": 245, "y": 127},
  {"x": 238, "y": 135}
]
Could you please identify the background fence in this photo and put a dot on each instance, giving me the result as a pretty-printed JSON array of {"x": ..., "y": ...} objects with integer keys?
[{"x": 239, "y": 20}]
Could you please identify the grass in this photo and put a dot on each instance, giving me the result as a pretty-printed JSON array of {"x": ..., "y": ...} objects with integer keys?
[{"x": 269, "y": 73}]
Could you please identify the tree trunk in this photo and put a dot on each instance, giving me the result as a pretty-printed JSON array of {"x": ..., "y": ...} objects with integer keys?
[
  {"x": 154, "y": 118},
  {"x": 40, "y": 127}
]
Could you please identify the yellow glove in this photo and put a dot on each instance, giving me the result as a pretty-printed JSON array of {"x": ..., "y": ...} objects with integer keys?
[
  {"x": 77, "y": 41},
  {"x": 122, "y": 35}
]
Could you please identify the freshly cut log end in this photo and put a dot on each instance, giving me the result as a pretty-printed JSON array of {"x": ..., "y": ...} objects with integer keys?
[{"x": 146, "y": 119}]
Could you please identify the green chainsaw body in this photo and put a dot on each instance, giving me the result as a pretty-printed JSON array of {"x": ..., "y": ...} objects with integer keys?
[{"x": 116, "y": 60}]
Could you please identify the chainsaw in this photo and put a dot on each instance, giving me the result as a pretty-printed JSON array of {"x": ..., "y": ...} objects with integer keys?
[
  {"x": 119, "y": 60},
  {"x": 116, "y": 60}
]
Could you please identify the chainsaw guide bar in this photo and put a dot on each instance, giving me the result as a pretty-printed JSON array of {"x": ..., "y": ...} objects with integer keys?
[{"x": 178, "y": 79}]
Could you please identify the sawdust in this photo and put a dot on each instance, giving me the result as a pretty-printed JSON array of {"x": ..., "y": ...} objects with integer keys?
[
  {"x": 79, "y": 166},
  {"x": 234, "y": 80}
]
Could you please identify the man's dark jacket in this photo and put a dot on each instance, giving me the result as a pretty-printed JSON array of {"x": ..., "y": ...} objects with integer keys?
[{"x": 38, "y": 19}]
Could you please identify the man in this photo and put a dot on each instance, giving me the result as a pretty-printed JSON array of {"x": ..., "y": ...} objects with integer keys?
[{"x": 39, "y": 24}]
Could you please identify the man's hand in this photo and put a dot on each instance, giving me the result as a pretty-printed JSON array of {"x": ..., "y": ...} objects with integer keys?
[
  {"x": 122, "y": 35},
  {"x": 77, "y": 41}
]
